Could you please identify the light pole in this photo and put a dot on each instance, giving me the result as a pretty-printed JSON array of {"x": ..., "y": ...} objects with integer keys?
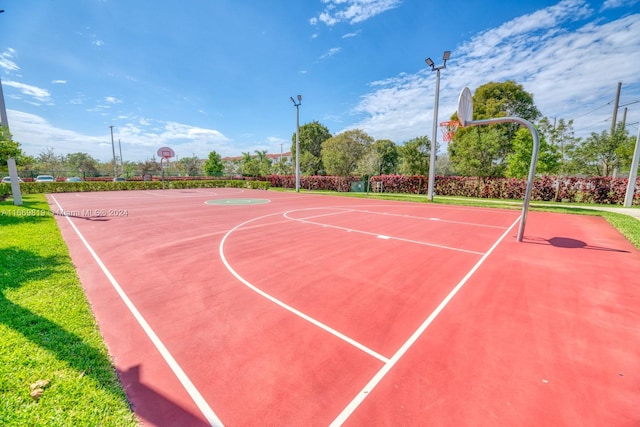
[
  {"x": 121, "y": 161},
  {"x": 297, "y": 105},
  {"x": 434, "y": 134},
  {"x": 113, "y": 147}
]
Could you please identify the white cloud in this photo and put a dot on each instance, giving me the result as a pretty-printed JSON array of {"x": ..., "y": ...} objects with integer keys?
[
  {"x": 59, "y": 82},
  {"x": 330, "y": 52},
  {"x": 352, "y": 11},
  {"x": 139, "y": 138},
  {"x": 569, "y": 72},
  {"x": 112, "y": 100},
  {"x": 98, "y": 43},
  {"x": 6, "y": 60},
  {"x": 41, "y": 95},
  {"x": 614, "y": 4}
]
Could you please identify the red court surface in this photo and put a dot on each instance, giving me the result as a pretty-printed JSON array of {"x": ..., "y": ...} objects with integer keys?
[{"x": 311, "y": 310}]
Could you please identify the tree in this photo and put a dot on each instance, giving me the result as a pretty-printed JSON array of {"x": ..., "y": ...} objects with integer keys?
[
  {"x": 189, "y": 166},
  {"x": 559, "y": 135},
  {"x": 518, "y": 162},
  {"x": 380, "y": 158},
  {"x": 10, "y": 148},
  {"x": 264, "y": 164},
  {"x": 483, "y": 150},
  {"x": 341, "y": 153},
  {"x": 600, "y": 154},
  {"x": 214, "y": 166},
  {"x": 50, "y": 162},
  {"x": 249, "y": 165},
  {"x": 477, "y": 152},
  {"x": 150, "y": 166},
  {"x": 312, "y": 135},
  {"x": 81, "y": 164},
  {"x": 387, "y": 154},
  {"x": 414, "y": 156}
]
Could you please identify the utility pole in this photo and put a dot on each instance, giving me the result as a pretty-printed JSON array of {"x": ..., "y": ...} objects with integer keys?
[
  {"x": 11, "y": 162},
  {"x": 113, "y": 148},
  {"x": 616, "y": 105},
  {"x": 121, "y": 161}
]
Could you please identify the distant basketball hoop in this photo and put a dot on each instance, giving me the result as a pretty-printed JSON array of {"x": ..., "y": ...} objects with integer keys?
[
  {"x": 449, "y": 129},
  {"x": 166, "y": 153}
]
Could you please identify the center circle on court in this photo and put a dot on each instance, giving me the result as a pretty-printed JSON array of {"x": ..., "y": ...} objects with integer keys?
[{"x": 236, "y": 202}]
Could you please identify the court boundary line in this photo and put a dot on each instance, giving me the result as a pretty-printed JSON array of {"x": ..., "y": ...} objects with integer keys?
[
  {"x": 375, "y": 380},
  {"x": 189, "y": 387},
  {"x": 285, "y": 306},
  {"x": 368, "y": 233}
]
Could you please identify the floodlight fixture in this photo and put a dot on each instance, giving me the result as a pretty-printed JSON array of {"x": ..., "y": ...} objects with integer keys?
[
  {"x": 299, "y": 98},
  {"x": 447, "y": 54},
  {"x": 429, "y": 62}
]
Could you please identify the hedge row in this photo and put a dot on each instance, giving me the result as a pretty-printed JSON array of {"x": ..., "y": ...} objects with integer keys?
[
  {"x": 601, "y": 190},
  {"x": 328, "y": 183},
  {"x": 72, "y": 187}
]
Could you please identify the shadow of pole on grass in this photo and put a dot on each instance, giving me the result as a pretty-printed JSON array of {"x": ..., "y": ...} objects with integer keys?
[{"x": 41, "y": 331}]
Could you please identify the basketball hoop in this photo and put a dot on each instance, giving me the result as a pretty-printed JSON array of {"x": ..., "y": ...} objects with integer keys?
[
  {"x": 166, "y": 153},
  {"x": 449, "y": 129}
]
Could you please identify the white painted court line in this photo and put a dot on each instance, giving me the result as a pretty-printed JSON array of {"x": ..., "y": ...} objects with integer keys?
[
  {"x": 359, "y": 398},
  {"x": 351, "y": 230},
  {"x": 287, "y": 307},
  {"x": 473, "y": 224},
  {"x": 202, "y": 404}
]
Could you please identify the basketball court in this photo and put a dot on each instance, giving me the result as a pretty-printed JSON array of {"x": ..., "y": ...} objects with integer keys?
[{"x": 246, "y": 307}]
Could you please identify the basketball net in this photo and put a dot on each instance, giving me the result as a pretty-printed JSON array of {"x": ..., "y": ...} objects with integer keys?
[{"x": 449, "y": 129}]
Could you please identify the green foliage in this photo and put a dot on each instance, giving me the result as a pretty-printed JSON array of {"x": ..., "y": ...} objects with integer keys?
[
  {"x": 76, "y": 187},
  {"x": 341, "y": 153},
  {"x": 214, "y": 166},
  {"x": 601, "y": 154},
  {"x": 190, "y": 166},
  {"x": 387, "y": 154},
  {"x": 559, "y": 135},
  {"x": 519, "y": 161},
  {"x": 10, "y": 149},
  {"x": 493, "y": 100},
  {"x": 414, "y": 156},
  {"x": 312, "y": 135},
  {"x": 79, "y": 164},
  {"x": 477, "y": 151},
  {"x": 258, "y": 165},
  {"x": 491, "y": 144},
  {"x": 47, "y": 331}
]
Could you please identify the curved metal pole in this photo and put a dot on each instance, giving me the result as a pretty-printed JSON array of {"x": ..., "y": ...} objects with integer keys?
[
  {"x": 532, "y": 167},
  {"x": 633, "y": 174}
]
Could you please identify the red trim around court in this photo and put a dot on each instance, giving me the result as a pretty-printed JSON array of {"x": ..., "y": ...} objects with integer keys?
[{"x": 313, "y": 310}]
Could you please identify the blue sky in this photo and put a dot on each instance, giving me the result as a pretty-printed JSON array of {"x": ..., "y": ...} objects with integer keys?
[{"x": 204, "y": 75}]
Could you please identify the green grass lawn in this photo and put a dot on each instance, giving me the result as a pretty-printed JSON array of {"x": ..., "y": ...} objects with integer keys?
[{"x": 47, "y": 331}]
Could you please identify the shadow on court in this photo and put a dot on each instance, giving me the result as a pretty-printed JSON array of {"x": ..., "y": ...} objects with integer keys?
[
  {"x": 569, "y": 243},
  {"x": 157, "y": 409}
]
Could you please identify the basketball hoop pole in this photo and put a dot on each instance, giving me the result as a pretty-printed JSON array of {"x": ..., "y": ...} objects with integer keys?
[{"x": 532, "y": 167}]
